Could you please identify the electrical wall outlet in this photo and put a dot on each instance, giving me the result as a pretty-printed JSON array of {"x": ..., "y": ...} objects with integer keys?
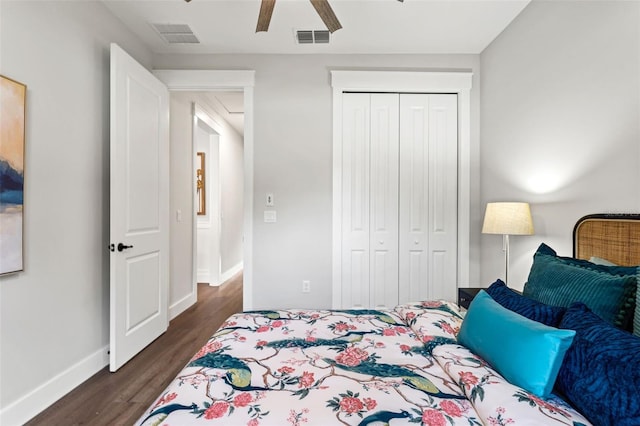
[{"x": 306, "y": 286}]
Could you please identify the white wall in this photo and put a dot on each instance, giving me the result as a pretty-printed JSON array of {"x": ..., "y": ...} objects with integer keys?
[
  {"x": 181, "y": 289},
  {"x": 232, "y": 202},
  {"x": 54, "y": 316},
  {"x": 231, "y": 176},
  {"x": 560, "y": 122},
  {"x": 293, "y": 160}
]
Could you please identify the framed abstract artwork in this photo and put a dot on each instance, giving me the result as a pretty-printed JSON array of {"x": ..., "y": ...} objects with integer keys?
[{"x": 12, "y": 140}]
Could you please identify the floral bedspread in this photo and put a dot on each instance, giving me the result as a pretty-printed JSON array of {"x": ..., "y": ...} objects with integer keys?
[{"x": 351, "y": 367}]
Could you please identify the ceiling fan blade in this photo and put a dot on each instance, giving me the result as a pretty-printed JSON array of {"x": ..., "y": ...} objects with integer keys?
[
  {"x": 264, "y": 18},
  {"x": 326, "y": 14}
]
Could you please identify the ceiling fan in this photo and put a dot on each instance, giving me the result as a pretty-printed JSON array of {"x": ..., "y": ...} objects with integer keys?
[{"x": 321, "y": 6}]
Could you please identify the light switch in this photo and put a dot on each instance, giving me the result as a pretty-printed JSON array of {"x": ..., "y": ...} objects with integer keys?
[
  {"x": 269, "y": 199},
  {"x": 270, "y": 216},
  {"x": 179, "y": 215}
]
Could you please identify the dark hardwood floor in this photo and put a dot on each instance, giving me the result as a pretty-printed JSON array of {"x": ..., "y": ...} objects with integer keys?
[{"x": 120, "y": 398}]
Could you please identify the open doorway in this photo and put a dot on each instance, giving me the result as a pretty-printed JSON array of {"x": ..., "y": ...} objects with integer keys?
[
  {"x": 218, "y": 141},
  {"x": 207, "y": 188},
  {"x": 183, "y": 267}
]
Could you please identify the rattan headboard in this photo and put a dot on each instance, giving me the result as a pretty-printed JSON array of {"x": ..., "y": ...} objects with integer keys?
[{"x": 614, "y": 237}]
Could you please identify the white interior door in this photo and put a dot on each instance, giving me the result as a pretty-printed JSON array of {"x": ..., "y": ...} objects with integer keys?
[
  {"x": 428, "y": 197},
  {"x": 139, "y": 230}
]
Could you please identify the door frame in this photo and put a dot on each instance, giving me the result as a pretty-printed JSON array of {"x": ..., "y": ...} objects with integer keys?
[
  {"x": 220, "y": 80},
  {"x": 458, "y": 83}
]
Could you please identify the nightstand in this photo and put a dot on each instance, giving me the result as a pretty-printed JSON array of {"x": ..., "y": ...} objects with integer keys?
[{"x": 466, "y": 295}]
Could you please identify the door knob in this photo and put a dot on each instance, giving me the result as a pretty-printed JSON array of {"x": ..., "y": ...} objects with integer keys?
[{"x": 123, "y": 247}]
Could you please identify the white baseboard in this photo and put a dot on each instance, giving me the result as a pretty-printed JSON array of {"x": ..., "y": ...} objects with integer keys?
[
  {"x": 36, "y": 401},
  {"x": 229, "y": 273},
  {"x": 182, "y": 305},
  {"x": 204, "y": 275}
]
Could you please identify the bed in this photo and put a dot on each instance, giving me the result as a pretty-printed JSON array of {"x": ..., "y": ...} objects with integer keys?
[{"x": 407, "y": 365}]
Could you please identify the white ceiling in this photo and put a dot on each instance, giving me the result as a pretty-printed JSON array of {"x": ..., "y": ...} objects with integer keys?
[
  {"x": 369, "y": 26},
  {"x": 230, "y": 106}
]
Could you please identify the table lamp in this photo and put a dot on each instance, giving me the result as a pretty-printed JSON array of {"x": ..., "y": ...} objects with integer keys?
[{"x": 507, "y": 218}]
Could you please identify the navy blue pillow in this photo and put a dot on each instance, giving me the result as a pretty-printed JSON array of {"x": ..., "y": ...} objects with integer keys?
[
  {"x": 600, "y": 373},
  {"x": 525, "y": 306}
]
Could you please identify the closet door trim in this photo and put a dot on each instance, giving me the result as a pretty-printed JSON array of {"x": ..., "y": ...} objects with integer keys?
[{"x": 403, "y": 81}]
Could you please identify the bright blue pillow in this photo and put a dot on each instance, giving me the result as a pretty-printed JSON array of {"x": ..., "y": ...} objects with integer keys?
[
  {"x": 601, "y": 371},
  {"x": 609, "y": 291},
  {"x": 525, "y": 352},
  {"x": 525, "y": 306}
]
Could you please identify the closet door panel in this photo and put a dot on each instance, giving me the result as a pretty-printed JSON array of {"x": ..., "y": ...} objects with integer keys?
[
  {"x": 413, "y": 201},
  {"x": 428, "y": 197},
  {"x": 355, "y": 200},
  {"x": 384, "y": 147},
  {"x": 358, "y": 279},
  {"x": 443, "y": 204}
]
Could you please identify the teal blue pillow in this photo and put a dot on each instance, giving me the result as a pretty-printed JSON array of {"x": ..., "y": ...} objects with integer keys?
[
  {"x": 636, "y": 318},
  {"x": 525, "y": 352},
  {"x": 609, "y": 291}
]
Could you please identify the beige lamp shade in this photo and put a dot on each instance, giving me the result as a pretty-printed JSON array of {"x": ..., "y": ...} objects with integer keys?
[{"x": 508, "y": 219}]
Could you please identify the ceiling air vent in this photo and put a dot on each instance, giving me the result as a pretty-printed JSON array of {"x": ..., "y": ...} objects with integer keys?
[
  {"x": 321, "y": 36},
  {"x": 176, "y": 33},
  {"x": 304, "y": 37},
  {"x": 312, "y": 36}
]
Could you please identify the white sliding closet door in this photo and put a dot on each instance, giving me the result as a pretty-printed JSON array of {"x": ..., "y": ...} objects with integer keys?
[
  {"x": 399, "y": 198},
  {"x": 428, "y": 197}
]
